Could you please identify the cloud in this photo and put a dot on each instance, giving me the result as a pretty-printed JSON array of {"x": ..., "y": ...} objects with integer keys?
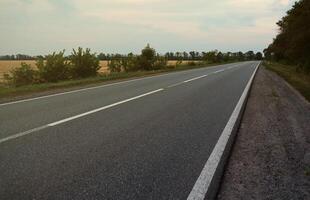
[{"x": 128, "y": 24}]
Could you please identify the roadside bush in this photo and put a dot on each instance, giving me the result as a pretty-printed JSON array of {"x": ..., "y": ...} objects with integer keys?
[
  {"x": 115, "y": 65},
  {"x": 160, "y": 63},
  {"x": 23, "y": 75},
  {"x": 130, "y": 63},
  {"x": 84, "y": 64},
  {"x": 191, "y": 63},
  {"x": 147, "y": 59},
  {"x": 54, "y": 68}
]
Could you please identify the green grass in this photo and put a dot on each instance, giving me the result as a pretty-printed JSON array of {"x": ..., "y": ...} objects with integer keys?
[
  {"x": 300, "y": 81},
  {"x": 7, "y": 91}
]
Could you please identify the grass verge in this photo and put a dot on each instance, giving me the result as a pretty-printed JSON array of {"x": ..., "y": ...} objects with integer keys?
[
  {"x": 300, "y": 81},
  {"x": 7, "y": 92}
]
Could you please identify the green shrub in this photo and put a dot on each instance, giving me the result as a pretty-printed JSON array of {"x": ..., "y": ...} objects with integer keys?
[
  {"x": 191, "y": 63},
  {"x": 84, "y": 64},
  {"x": 147, "y": 59},
  {"x": 160, "y": 63},
  {"x": 115, "y": 65},
  {"x": 23, "y": 75},
  {"x": 54, "y": 68},
  {"x": 130, "y": 63}
]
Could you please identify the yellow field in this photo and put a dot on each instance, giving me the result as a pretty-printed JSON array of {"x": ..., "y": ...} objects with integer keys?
[{"x": 7, "y": 65}]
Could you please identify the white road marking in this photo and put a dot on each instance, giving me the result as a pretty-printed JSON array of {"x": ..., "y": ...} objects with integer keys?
[
  {"x": 202, "y": 184},
  {"x": 218, "y": 71},
  {"x": 102, "y": 108},
  {"x": 193, "y": 79},
  {"x": 79, "y": 90},
  {"x": 174, "y": 85},
  {"x": 76, "y": 116},
  {"x": 199, "y": 77},
  {"x": 22, "y": 134},
  {"x": 96, "y": 110},
  {"x": 95, "y": 87}
]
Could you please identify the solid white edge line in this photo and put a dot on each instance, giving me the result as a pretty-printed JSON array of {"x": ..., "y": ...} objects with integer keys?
[
  {"x": 203, "y": 182},
  {"x": 76, "y": 116}
]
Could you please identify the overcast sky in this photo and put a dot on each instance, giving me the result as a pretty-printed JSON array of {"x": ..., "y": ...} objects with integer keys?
[{"x": 42, "y": 26}]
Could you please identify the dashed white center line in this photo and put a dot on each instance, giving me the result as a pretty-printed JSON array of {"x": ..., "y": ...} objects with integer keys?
[
  {"x": 193, "y": 79},
  {"x": 76, "y": 116},
  {"x": 95, "y": 110}
]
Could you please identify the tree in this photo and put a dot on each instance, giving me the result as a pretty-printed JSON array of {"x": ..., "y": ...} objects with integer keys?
[
  {"x": 210, "y": 56},
  {"x": 193, "y": 55},
  {"x": 250, "y": 55},
  {"x": 240, "y": 56},
  {"x": 292, "y": 43},
  {"x": 258, "y": 56},
  {"x": 147, "y": 58}
]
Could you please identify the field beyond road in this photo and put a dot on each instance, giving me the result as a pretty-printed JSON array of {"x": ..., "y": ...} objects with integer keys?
[{"x": 7, "y": 65}]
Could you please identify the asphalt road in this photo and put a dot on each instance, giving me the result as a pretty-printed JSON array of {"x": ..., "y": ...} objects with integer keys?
[{"x": 147, "y": 138}]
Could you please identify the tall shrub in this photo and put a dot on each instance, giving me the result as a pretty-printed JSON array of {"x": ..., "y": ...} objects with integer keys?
[
  {"x": 147, "y": 58},
  {"x": 54, "y": 68},
  {"x": 23, "y": 75},
  {"x": 84, "y": 63}
]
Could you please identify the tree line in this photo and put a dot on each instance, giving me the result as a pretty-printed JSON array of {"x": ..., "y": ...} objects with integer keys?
[
  {"x": 191, "y": 55},
  {"x": 82, "y": 63},
  {"x": 292, "y": 44}
]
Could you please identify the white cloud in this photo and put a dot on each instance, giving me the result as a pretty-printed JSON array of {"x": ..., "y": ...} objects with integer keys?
[{"x": 182, "y": 24}]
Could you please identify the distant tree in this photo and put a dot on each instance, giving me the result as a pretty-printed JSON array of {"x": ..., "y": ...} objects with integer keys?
[
  {"x": 250, "y": 55},
  {"x": 210, "y": 56},
  {"x": 102, "y": 56},
  {"x": 185, "y": 55},
  {"x": 147, "y": 58},
  {"x": 193, "y": 55},
  {"x": 219, "y": 57},
  {"x": 258, "y": 56},
  {"x": 240, "y": 56}
]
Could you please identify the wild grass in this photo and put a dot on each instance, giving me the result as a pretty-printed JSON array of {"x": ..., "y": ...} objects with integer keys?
[{"x": 299, "y": 80}]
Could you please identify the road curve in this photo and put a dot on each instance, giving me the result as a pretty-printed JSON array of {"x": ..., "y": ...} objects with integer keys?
[{"x": 146, "y": 138}]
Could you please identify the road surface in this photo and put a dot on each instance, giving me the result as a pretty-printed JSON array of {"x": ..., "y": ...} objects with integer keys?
[{"x": 147, "y": 138}]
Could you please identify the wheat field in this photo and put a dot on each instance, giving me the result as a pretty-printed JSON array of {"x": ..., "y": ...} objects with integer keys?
[{"x": 7, "y": 65}]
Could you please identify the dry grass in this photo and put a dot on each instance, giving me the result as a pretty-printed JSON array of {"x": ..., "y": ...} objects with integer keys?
[
  {"x": 184, "y": 62},
  {"x": 299, "y": 80}
]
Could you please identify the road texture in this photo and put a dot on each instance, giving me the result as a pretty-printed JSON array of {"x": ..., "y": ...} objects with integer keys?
[{"x": 147, "y": 138}]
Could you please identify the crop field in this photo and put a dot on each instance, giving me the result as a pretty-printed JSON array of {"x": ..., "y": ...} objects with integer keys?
[{"x": 7, "y": 65}]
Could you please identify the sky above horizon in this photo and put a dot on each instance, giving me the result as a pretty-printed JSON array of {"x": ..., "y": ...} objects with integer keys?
[{"x": 36, "y": 27}]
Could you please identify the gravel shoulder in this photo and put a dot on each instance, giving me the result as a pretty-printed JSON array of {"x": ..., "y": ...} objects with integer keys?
[{"x": 271, "y": 155}]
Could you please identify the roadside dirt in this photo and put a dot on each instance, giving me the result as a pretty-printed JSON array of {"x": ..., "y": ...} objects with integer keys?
[{"x": 271, "y": 155}]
